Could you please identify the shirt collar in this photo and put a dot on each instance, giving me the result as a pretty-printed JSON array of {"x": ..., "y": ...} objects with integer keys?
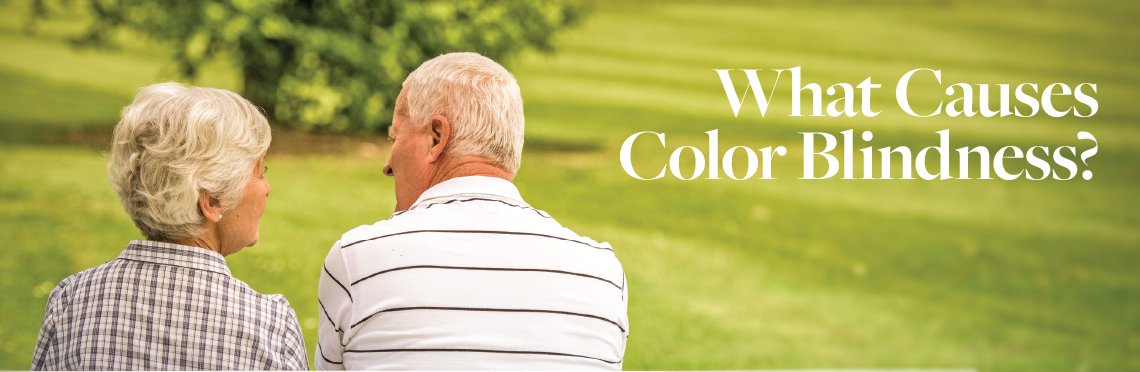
[
  {"x": 470, "y": 186},
  {"x": 175, "y": 255}
]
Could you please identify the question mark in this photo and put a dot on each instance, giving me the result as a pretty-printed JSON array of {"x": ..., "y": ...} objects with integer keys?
[{"x": 1087, "y": 153}]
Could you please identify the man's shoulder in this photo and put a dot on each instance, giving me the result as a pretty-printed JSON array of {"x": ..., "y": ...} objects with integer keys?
[
  {"x": 380, "y": 228},
  {"x": 463, "y": 214},
  {"x": 459, "y": 213}
]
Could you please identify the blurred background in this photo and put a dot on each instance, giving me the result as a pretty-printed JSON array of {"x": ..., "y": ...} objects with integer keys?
[{"x": 756, "y": 274}]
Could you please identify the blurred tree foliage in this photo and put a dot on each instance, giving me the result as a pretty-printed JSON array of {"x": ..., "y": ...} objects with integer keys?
[{"x": 336, "y": 65}]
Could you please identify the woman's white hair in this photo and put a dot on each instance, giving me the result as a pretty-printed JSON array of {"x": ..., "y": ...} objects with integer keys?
[
  {"x": 480, "y": 99},
  {"x": 174, "y": 142}
]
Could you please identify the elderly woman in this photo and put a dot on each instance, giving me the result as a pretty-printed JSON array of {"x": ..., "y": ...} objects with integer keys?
[{"x": 188, "y": 165}]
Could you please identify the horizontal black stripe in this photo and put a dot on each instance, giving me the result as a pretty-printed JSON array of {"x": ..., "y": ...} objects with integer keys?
[
  {"x": 487, "y": 269},
  {"x": 474, "y": 232},
  {"x": 338, "y": 283},
  {"x": 488, "y": 310},
  {"x": 337, "y": 328},
  {"x": 322, "y": 352},
  {"x": 322, "y": 305},
  {"x": 491, "y": 200},
  {"x": 480, "y": 351}
]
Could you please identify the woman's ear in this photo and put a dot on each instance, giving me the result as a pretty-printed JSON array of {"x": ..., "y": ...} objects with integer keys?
[
  {"x": 209, "y": 206},
  {"x": 440, "y": 131}
]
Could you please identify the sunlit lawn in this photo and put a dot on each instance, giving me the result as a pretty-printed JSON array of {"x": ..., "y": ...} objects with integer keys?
[{"x": 786, "y": 273}]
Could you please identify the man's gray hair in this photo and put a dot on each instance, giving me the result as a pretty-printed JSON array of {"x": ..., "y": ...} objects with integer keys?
[
  {"x": 480, "y": 99},
  {"x": 174, "y": 141}
]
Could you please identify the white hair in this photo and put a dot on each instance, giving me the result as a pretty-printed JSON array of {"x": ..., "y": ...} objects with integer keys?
[
  {"x": 480, "y": 99},
  {"x": 174, "y": 142}
]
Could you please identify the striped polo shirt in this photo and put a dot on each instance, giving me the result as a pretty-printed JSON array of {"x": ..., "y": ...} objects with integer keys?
[{"x": 471, "y": 277}]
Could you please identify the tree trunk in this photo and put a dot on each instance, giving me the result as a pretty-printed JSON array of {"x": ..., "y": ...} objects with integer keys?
[
  {"x": 262, "y": 68},
  {"x": 260, "y": 87}
]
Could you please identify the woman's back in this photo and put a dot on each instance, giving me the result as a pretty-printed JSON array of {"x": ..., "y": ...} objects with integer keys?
[{"x": 162, "y": 306}]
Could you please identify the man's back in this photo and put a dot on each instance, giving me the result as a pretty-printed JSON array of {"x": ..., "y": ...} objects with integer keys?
[{"x": 471, "y": 277}]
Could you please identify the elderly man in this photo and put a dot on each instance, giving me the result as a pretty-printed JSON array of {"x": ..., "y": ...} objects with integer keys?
[{"x": 466, "y": 275}]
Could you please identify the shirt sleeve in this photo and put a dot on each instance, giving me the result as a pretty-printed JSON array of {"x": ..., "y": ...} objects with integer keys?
[
  {"x": 625, "y": 316},
  {"x": 46, "y": 355},
  {"x": 294, "y": 355},
  {"x": 334, "y": 299}
]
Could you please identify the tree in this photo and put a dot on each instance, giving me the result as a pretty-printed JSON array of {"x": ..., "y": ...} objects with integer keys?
[{"x": 332, "y": 64}]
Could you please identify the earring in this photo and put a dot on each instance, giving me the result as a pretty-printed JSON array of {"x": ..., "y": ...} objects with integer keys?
[{"x": 219, "y": 216}]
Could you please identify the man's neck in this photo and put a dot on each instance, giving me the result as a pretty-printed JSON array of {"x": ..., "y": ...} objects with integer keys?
[{"x": 469, "y": 166}]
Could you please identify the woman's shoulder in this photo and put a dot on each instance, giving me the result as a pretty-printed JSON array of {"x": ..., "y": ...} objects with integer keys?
[
  {"x": 79, "y": 282},
  {"x": 267, "y": 302}
]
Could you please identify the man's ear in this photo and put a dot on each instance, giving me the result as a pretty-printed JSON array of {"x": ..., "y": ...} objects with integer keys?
[
  {"x": 210, "y": 207},
  {"x": 440, "y": 131}
]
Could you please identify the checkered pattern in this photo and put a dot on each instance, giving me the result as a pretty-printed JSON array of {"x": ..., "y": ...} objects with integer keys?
[{"x": 163, "y": 306}]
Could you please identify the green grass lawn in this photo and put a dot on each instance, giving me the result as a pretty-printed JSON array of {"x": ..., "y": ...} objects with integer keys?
[{"x": 756, "y": 274}]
